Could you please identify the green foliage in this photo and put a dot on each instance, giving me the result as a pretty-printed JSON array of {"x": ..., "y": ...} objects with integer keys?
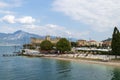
[
  {"x": 46, "y": 45},
  {"x": 28, "y": 46},
  {"x": 73, "y": 44},
  {"x": 63, "y": 45},
  {"x": 116, "y": 42}
]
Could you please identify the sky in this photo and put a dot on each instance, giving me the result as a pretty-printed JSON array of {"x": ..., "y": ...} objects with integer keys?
[{"x": 80, "y": 19}]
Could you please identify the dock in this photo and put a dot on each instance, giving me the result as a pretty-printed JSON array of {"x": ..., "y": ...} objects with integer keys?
[{"x": 10, "y": 55}]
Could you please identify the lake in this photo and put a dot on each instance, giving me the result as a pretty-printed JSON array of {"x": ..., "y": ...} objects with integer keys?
[{"x": 26, "y": 68}]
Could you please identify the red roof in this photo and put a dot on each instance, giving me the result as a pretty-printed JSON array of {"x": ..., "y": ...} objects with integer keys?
[{"x": 92, "y": 41}]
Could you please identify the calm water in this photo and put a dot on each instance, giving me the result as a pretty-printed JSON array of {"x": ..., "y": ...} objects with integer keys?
[{"x": 25, "y": 68}]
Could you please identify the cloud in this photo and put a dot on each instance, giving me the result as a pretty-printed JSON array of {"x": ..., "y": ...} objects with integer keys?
[
  {"x": 9, "y": 19},
  {"x": 6, "y": 12},
  {"x": 7, "y": 29},
  {"x": 23, "y": 20},
  {"x": 53, "y": 30},
  {"x": 10, "y": 3},
  {"x": 3, "y": 4},
  {"x": 47, "y": 29},
  {"x": 101, "y": 15},
  {"x": 17, "y": 3},
  {"x": 6, "y": 5},
  {"x": 26, "y": 20}
]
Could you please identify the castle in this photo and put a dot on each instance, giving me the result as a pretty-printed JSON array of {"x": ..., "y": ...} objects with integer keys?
[{"x": 37, "y": 41}]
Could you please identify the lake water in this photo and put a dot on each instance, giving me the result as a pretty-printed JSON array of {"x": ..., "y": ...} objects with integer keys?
[{"x": 26, "y": 68}]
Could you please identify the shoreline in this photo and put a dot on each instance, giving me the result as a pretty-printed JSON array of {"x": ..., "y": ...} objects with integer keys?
[
  {"x": 109, "y": 63},
  {"x": 68, "y": 57}
]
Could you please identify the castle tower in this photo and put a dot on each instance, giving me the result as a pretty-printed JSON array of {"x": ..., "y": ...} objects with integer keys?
[{"x": 48, "y": 37}]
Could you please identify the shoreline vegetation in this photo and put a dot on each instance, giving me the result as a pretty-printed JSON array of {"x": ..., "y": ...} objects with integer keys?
[{"x": 80, "y": 59}]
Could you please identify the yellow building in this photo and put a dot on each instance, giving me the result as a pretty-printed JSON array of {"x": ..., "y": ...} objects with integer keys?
[
  {"x": 82, "y": 43},
  {"x": 96, "y": 43},
  {"x": 37, "y": 41}
]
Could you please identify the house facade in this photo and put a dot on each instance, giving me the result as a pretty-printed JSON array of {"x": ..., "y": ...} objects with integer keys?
[{"x": 84, "y": 43}]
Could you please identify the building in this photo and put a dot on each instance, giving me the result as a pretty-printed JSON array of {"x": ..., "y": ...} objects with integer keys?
[
  {"x": 95, "y": 43},
  {"x": 92, "y": 42},
  {"x": 82, "y": 43},
  {"x": 106, "y": 44},
  {"x": 37, "y": 41}
]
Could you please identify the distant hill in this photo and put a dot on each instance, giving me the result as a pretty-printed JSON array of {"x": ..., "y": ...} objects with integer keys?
[
  {"x": 20, "y": 37},
  {"x": 109, "y": 39}
]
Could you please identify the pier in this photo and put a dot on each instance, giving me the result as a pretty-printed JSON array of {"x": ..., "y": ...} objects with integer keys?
[{"x": 10, "y": 55}]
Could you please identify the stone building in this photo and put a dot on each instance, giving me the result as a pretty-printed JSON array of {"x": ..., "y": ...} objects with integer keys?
[
  {"x": 82, "y": 43},
  {"x": 37, "y": 41}
]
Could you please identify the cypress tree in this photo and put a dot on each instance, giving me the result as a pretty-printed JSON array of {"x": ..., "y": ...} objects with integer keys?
[{"x": 116, "y": 42}]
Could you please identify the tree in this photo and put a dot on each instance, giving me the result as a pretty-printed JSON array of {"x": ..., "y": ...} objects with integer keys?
[
  {"x": 28, "y": 46},
  {"x": 115, "y": 42},
  {"x": 63, "y": 45},
  {"x": 46, "y": 45},
  {"x": 73, "y": 44}
]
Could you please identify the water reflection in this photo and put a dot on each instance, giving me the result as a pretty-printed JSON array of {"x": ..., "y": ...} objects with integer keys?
[
  {"x": 116, "y": 74},
  {"x": 63, "y": 69}
]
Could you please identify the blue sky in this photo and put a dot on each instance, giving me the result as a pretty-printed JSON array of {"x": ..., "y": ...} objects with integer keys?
[{"x": 81, "y": 19}]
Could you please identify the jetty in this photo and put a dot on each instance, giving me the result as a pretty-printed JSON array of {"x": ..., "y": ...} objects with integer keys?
[{"x": 10, "y": 55}]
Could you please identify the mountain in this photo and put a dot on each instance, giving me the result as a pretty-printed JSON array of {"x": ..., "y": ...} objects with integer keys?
[
  {"x": 18, "y": 37},
  {"x": 109, "y": 39}
]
